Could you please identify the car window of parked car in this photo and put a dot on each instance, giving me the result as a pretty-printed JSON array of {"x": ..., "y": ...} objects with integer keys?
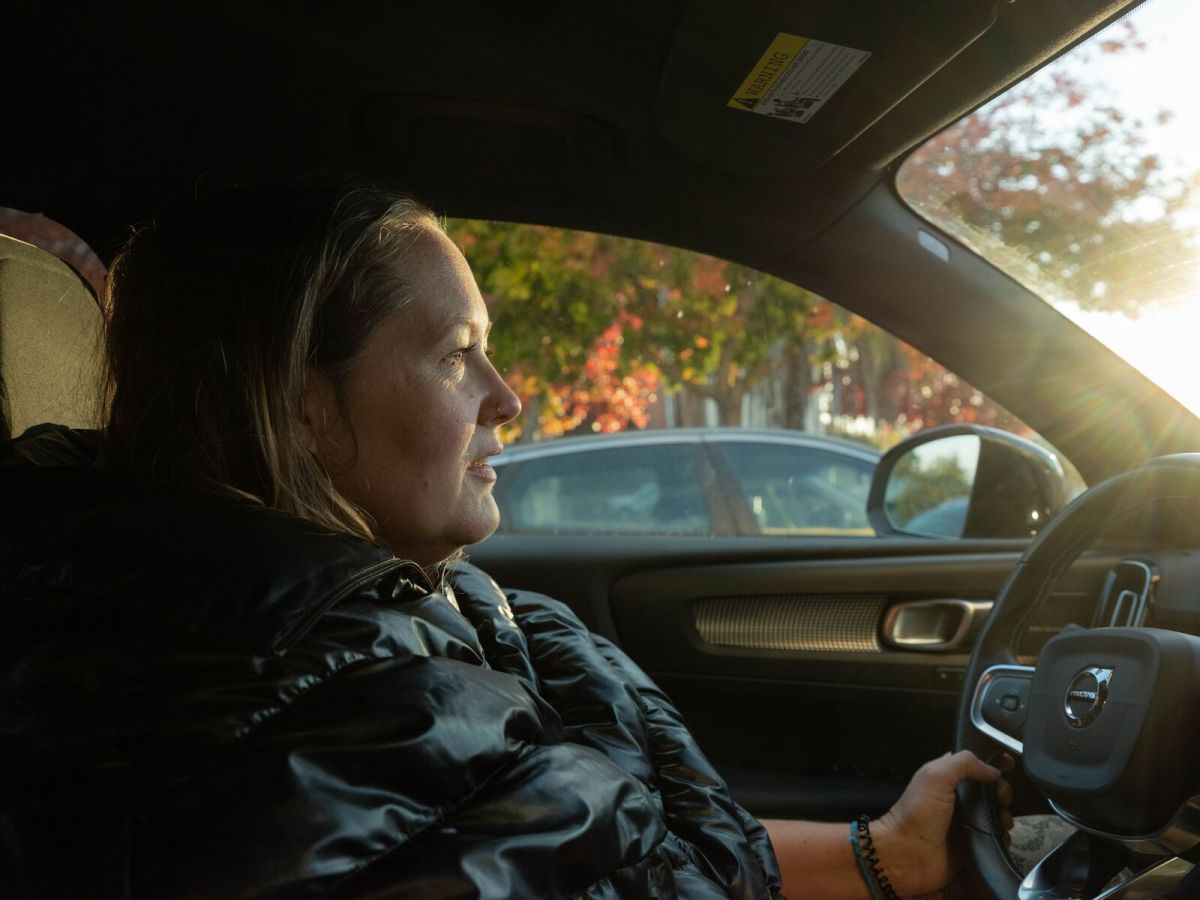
[
  {"x": 623, "y": 490},
  {"x": 605, "y": 338},
  {"x": 800, "y": 491}
]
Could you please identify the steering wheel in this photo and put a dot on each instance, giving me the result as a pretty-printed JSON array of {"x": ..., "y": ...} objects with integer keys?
[{"x": 1104, "y": 723}]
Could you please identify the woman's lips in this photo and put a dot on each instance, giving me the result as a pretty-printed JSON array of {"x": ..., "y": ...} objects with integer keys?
[{"x": 480, "y": 469}]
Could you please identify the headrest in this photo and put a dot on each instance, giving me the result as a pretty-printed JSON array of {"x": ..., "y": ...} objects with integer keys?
[{"x": 49, "y": 340}]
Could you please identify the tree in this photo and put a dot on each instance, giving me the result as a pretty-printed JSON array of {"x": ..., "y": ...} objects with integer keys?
[
  {"x": 551, "y": 293},
  {"x": 627, "y": 319},
  {"x": 712, "y": 327},
  {"x": 595, "y": 329},
  {"x": 1060, "y": 188},
  {"x": 867, "y": 374}
]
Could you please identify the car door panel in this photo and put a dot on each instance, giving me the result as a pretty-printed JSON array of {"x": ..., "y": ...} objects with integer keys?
[
  {"x": 821, "y": 714},
  {"x": 832, "y": 726}
]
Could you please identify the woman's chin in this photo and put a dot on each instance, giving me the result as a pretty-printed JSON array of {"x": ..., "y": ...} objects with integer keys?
[
  {"x": 488, "y": 529},
  {"x": 428, "y": 542},
  {"x": 481, "y": 526}
]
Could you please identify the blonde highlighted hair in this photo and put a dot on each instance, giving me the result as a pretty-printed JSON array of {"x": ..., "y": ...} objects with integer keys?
[{"x": 218, "y": 312}]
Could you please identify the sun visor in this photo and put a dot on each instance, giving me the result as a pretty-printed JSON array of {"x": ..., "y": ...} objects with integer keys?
[{"x": 777, "y": 90}]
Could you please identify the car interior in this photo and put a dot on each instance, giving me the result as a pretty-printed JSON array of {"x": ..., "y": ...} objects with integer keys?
[
  {"x": 619, "y": 120},
  {"x": 50, "y": 322}
]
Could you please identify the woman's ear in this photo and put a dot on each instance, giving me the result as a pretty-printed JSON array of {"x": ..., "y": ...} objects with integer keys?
[{"x": 318, "y": 411}]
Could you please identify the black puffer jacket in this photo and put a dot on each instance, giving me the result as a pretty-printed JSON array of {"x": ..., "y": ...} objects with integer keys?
[{"x": 206, "y": 699}]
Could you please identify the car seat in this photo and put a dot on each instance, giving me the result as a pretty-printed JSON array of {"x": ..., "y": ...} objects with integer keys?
[{"x": 50, "y": 330}]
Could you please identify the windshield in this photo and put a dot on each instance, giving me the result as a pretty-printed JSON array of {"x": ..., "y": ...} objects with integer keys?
[{"x": 1081, "y": 182}]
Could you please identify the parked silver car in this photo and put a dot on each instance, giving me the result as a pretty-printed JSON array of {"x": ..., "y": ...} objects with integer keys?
[{"x": 693, "y": 481}]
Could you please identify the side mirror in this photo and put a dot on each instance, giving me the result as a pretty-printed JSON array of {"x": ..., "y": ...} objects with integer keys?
[{"x": 966, "y": 481}]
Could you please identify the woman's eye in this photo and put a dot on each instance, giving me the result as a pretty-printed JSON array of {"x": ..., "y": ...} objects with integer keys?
[{"x": 460, "y": 354}]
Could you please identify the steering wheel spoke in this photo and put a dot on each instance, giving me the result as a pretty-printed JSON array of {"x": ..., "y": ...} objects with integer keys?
[{"x": 1001, "y": 704}]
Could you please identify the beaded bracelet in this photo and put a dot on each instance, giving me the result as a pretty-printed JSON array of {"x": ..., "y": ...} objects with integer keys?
[{"x": 868, "y": 860}]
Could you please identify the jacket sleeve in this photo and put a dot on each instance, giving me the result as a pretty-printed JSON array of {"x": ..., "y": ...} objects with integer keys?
[
  {"x": 690, "y": 778},
  {"x": 608, "y": 703}
]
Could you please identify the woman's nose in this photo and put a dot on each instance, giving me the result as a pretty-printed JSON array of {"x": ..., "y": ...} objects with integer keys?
[
  {"x": 501, "y": 405},
  {"x": 508, "y": 404}
]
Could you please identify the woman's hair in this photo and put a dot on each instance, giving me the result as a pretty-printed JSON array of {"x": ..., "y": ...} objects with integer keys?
[{"x": 218, "y": 311}]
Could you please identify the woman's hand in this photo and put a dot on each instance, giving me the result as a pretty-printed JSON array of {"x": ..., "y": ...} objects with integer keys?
[{"x": 911, "y": 837}]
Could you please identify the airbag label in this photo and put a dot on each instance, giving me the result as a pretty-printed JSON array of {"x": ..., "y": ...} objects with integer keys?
[{"x": 795, "y": 77}]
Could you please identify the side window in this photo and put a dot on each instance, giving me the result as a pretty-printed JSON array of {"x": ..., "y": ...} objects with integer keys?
[
  {"x": 610, "y": 339},
  {"x": 624, "y": 490},
  {"x": 800, "y": 490}
]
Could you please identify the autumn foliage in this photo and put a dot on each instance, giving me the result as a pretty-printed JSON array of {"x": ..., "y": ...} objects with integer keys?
[
  {"x": 1058, "y": 183},
  {"x": 595, "y": 331}
]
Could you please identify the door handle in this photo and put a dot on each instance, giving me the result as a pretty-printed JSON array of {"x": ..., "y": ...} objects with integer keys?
[{"x": 934, "y": 626}]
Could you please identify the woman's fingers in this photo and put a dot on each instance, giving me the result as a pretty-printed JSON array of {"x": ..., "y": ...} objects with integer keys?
[
  {"x": 1004, "y": 796},
  {"x": 952, "y": 768},
  {"x": 1004, "y": 793}
]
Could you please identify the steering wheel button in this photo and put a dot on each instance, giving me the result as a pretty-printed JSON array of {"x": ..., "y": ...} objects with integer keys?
[{"x": 1004, "y": 704}]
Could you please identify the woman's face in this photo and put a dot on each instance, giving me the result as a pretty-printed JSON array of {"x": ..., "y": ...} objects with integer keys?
[{"x": 424, "y": 404}]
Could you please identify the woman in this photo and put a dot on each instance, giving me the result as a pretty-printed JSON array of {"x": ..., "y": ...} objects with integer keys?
[{"x": 242, "y": 657}]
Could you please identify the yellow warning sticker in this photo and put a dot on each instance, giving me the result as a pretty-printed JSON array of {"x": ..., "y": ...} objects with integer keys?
[{"x": 795, "y": 77}]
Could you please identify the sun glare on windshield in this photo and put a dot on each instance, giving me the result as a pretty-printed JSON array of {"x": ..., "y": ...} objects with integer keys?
[{"x": 1083, "y": 182}]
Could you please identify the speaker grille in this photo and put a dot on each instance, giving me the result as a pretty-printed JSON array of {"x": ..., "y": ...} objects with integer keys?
[{"x": 845, "y": 622}]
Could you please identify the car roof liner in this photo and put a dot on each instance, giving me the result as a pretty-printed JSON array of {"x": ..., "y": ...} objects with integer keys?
[
  {"x": 615, "y": 119},
  {"x": 434, "y": 140}
]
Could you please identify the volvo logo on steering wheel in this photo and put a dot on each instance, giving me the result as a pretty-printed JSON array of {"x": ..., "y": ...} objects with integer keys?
[{"x": 1086, "y": 695}]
